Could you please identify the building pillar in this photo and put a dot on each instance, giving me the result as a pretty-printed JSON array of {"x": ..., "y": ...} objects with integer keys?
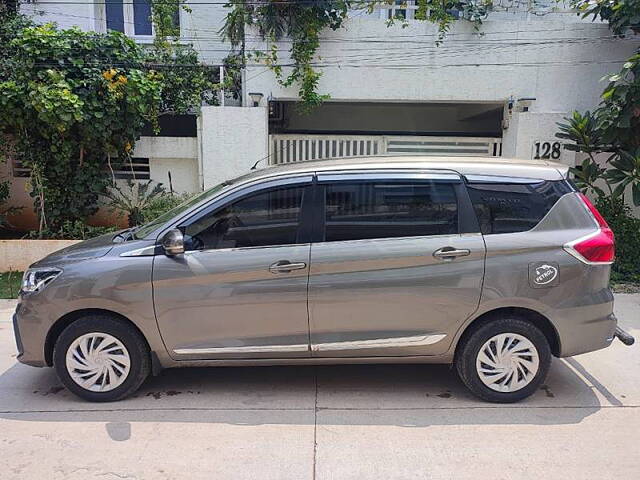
[
  {"x": 532, "y": 134},
  {"x": 233, "y": 139}
]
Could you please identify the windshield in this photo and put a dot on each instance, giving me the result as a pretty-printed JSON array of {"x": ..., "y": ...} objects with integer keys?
[{"x": 148, "y": 228}]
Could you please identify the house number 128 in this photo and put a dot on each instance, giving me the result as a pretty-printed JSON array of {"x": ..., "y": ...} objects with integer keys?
[{"x": 546, "y": 150}]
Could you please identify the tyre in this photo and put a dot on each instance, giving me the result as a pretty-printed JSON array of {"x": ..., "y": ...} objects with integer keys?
[
  {"x": 504, "y": 361},
  {"x": 101, "y": 358}
]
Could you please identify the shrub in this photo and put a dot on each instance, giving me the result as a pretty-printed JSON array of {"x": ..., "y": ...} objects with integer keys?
[
  {"x": 71, "y": 230},
  {"x": 627, "y": 231},
  {"x": 163, "y": 203},
  {"x": 132, "y": 199}
]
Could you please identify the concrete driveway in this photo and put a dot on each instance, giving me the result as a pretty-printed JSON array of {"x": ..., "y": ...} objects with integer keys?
[{"x": 342, "y": 422}]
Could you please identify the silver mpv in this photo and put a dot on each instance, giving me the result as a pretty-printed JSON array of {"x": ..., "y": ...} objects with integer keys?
[{"x": 494, "y": 265}]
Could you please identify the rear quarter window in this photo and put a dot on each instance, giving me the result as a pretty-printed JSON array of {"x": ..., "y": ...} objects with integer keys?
[{"x": 514, "y": 207}]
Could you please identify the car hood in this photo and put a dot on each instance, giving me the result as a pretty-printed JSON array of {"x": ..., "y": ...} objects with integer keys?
[{"x": 92, "y": 248}]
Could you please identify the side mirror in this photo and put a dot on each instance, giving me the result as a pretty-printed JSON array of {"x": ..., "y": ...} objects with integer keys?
[{"x": 173, "y": 242}]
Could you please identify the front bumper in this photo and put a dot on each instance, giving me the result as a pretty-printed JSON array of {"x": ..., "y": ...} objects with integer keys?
[
  {"x": 16, "y": 332},
  {"x": 30, "y": 334}
]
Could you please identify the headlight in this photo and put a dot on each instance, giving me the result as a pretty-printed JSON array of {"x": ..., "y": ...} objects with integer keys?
[{"x": 35, "y": 279}]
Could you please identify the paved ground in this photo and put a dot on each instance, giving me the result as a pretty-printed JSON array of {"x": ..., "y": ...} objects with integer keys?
[{"x": 344, "y": 422}]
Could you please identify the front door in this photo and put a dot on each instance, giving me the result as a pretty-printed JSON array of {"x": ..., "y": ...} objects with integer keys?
[
  {"x": 398, "y": 267},
  {"x": 240, "y": 289}
]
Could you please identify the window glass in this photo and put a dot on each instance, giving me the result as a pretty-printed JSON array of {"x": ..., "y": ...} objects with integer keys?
[
  {"x": 263, "y": 219},
  {"x": 115, "y": 15},
  {"x": 389, "y": 209},
  {"x": 142, "y": 17},
  {"x": 514, "y": 207}
]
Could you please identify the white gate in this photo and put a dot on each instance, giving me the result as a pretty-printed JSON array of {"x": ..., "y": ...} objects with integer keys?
[{"x": 295, "y": 148}]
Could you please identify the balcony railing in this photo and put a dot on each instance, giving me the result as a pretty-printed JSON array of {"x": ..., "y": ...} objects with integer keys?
[{"x": 295, "y": 148}]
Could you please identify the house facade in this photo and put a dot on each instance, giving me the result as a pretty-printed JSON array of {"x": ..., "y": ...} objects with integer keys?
[{"x": 499, "y": 92}]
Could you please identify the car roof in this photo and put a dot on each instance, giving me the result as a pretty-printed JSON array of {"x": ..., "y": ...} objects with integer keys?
[{"x": 494, "y": 166}]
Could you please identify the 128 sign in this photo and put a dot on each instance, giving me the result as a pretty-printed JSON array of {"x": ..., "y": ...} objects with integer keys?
[{"x": 547, "y": 150}]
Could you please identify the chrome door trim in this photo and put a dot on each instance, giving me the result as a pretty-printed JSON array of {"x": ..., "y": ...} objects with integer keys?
[
  {"x": 287, "y": 267},
  {"x": 397, "y": 342},
  {"x": 244, "y": 350},
  {"x": 442, "y": 253},
  {"x": 141, "y": 252}
]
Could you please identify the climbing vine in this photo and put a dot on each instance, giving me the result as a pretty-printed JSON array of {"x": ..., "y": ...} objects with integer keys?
[
  {"x": 303, "y": 23},
  {"x": 74, "y": 103}
]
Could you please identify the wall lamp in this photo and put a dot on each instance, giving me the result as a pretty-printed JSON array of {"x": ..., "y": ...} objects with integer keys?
[{"x": 255, "y": 98}]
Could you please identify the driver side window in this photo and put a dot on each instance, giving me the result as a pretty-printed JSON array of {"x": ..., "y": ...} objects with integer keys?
[{"x": 263, "y": 219}]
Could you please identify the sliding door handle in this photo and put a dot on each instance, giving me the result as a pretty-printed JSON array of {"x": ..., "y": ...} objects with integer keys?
[
  {"x": 285, "y": 266},
  {"x": 449, "y": 253}
]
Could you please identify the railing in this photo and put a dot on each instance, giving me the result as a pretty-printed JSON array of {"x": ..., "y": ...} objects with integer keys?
[{"x": 291, "y": 148}]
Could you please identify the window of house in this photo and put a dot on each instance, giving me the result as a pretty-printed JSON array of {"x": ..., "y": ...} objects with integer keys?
[
  {"x": 356, "y": 211},
  {"x": 115, "y": 15},
  {"x": 132, "y": 17},
  {"x": 136, "y": 168},
  {"x": 402, "y": 9},
  {"x": 263, "y": 219},
  {"x": 142, "y": 17}
]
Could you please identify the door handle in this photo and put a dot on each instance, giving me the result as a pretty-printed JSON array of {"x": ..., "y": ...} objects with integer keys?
[
  {"x": 449, "y": 253},
  {"x": 285, "y": 266}
]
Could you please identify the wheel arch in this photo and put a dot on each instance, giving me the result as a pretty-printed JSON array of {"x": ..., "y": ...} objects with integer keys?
[
  {"x": 536, "y": 318},
  {"x": 67, "y": 319}
]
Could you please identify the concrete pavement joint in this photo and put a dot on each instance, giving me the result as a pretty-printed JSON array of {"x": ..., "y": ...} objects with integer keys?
[
  {"x": 317, "y": 409},
  {"x": 315, "y": 424}
]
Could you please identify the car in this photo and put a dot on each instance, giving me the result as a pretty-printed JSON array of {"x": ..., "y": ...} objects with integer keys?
[{"x": 493, "y": 264}]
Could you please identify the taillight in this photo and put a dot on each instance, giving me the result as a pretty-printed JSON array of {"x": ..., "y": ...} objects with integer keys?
[{"x": 597, "y": 247}]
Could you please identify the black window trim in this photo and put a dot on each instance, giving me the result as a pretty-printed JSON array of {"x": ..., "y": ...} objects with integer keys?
[
  {"x": 467, "y": 220},
  {"x": 304, "y": 225},
  {"x": 470, "y": 180}
]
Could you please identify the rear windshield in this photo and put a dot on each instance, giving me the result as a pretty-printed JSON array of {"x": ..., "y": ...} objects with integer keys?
[{"x": 514, "y": 207}]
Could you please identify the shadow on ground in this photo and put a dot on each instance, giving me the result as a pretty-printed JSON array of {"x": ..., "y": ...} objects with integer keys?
[{"x": 403, "y": 395}]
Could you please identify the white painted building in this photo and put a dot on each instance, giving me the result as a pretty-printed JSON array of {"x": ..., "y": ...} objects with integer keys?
[{"x": 392, "y": 89}]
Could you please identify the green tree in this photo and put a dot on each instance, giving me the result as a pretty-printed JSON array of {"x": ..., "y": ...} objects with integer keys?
[
  {"x": 75, "y": 102},
  {"x": 614, "y": 127}
]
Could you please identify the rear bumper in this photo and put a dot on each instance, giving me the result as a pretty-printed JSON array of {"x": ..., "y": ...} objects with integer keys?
[{"x": 586, "y": 335}]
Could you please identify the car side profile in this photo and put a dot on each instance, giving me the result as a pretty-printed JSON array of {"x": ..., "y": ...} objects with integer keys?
[{"x": 495, "y": 265}]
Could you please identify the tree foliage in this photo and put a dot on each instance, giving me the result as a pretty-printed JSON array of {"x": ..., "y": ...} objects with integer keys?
[
  {"x": 620, "y": 14},
  {"x": 303, "y": 22},
  {"x": 614, "y": 127},
  {"x": 75, "y": 102}
]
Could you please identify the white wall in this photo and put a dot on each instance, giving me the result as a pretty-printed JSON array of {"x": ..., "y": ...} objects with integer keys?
[
  {"x": 166, "y": 147},
  {"x": 557, "y": 59},
  {"x": 558, "y": 62},
  {"x": 178, "y": 155},
  {"x": 233, "y": 139},
  {"x": 184, "y": 173},
  {"x": 199, "y": 27},
  {"x": 85, "y": 14}
]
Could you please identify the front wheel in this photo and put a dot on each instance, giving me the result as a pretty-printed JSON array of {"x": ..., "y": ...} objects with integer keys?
[
  {"x": 504, "y": 361},
  {"x": 101, "y": 358}
]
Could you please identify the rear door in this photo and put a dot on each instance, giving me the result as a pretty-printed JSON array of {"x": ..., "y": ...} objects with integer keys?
[{"x": 398, "y": 265}]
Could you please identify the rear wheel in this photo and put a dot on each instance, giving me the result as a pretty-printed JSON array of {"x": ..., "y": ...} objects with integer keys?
[
  {"x": 505, "y": 360},
  {"x": 101, "y": 358}
]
